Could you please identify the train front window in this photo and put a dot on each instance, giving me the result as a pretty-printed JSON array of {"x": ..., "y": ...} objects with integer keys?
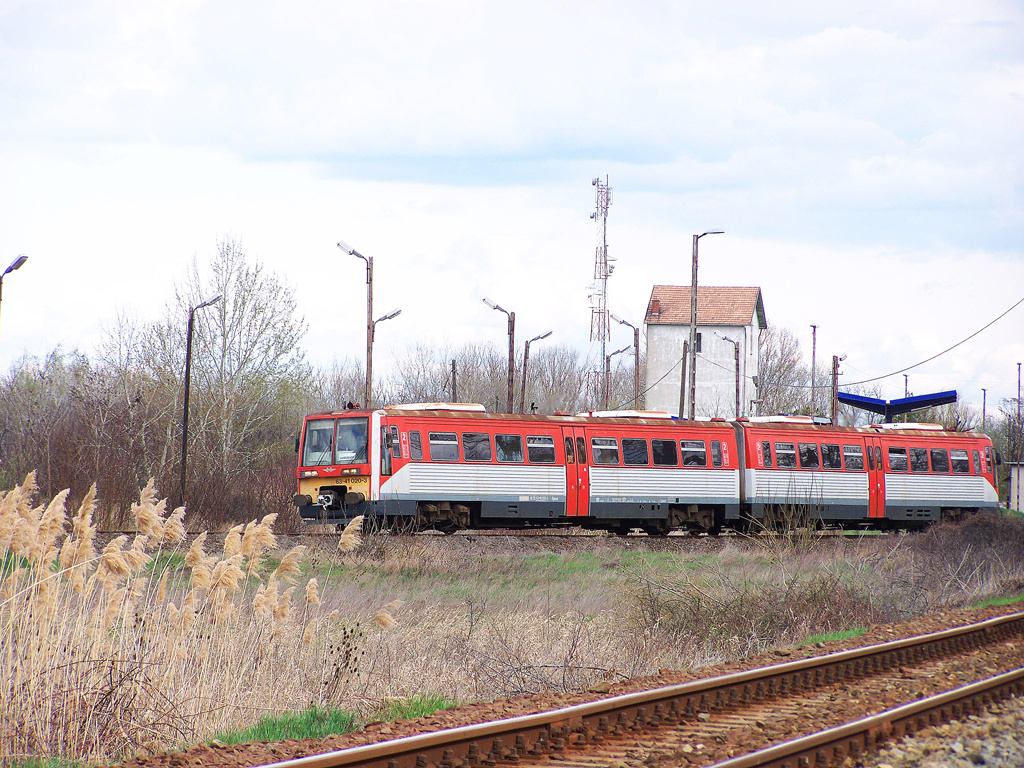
[
  {"x": 317, "y": 448},
  {"x": 351, "y": 441}
]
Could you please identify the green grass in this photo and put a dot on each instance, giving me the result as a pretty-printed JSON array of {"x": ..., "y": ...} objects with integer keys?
[
  {"x": 317, "y": 723},
  {"x": 417, "y": 706},
  {"x": 314, "y": 723},
  {"x": 844, "y": 635},
  {"x": 45, "y": 762},
  {"x": 992, "y": 601}
]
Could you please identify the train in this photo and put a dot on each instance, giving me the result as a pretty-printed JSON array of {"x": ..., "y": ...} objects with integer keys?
[{"x": 454, "y": 466}]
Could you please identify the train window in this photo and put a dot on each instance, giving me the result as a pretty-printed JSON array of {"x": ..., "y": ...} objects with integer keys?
[
  {"x": 694, "y": 453},
  {"x": 854, "y": 457},
  {"x": 716, "y": 453},
  {"x": 831, "y": 458},
  {"x": 509, "y": 449},
  {"x": 396, "y": 444},
  {"x": 664, "y": 453},
  {"x": 977, "y": 462},
  {"x": 988, "y": 460},
  {"x": 444, "y": 446},
  {"x": 766, "y": 450},
  {"x": 540, "y": 449},
  {"x": 878, "y": 456},
  {"x": 581, "y": 450},
  {"x": 568, "y": 451},
  {"x": 634, "y": 452},
  {"x": 317, "y": 449},
  {"x": 385, "y": 454},
  {"x": 415, "y": 446},
  {"x": 918, "y": 459},
  {"x": 476, "y": 446},
  {"x": 351, "y": 441},
  {"x": 940, "y": 460},
  {"x": 961, "y": 464},
  {"x": 897, "y": 459},
  {"x": 809, "y": 456},
  {"x": 785, "y": 455},
  {"x": 605, "y": 450}
]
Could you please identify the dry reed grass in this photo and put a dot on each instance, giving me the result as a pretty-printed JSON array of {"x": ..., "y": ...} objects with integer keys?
[
  {"x": 152, "y": 642},
  {"x": 146, "y": 644}
]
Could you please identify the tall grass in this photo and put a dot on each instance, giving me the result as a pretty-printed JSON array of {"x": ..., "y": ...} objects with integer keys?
[
  {"x": 145, "y": 643},
  {"x": 105, "y": 653}
]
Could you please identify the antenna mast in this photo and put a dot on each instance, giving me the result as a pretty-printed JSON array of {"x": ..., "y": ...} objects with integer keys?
[{"x": 602, "y": 271}]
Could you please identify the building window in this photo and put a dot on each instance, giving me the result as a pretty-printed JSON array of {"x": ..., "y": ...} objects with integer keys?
[{"x": 697, "y": 344}]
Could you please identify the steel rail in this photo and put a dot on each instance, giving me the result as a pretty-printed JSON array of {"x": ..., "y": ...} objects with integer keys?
[
  {"x": 555, "y": 731},
  {"x": 831, "y": 747}
]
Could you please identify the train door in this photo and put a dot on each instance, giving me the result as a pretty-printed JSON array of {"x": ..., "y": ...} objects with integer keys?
[
  {"x": 876, "y": 478},
  {"x": 577, "y": 472}
]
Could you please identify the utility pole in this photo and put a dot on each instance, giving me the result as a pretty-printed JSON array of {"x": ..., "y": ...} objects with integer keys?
[
  {"x": 984, "y": 395},
  {"x": 693, "y": 325},
  {"x": 602, "y": 270},
  {"x": 455, "y": 391},
  {"x": 1020, "y": 435},
  {"x": 814, "y": 368},
  {"x": 835, "y": 388},
  {"x": 682, "y": 381}
]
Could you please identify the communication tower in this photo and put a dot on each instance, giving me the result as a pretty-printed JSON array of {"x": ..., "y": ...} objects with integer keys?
[{"x": 603, "y": 268}]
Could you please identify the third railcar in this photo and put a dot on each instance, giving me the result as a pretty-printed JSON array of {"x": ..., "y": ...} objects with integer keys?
[{"x": 453, "y": 466}]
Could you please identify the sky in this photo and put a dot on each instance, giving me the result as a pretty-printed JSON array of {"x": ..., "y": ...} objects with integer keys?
[{"x": 864, "y": 161}]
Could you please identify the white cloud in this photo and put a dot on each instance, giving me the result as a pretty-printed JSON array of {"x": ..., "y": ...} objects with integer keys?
[{"x": 864, "y": 162}]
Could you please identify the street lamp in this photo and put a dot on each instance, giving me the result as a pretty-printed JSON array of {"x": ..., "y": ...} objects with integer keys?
[
  {"x": 636, "y": 360},
  {"x": 735, "y": 344},
  {"x": 188, "y": 381},
  {"x": 608, "y": 370},
  {"x": 693, "y": 324},
  {"x": 526, "y": 359},
  {"x": 511, "y": 346},
  {"x": 369, "y": 318},
  {"x": 16, "y": 264}
]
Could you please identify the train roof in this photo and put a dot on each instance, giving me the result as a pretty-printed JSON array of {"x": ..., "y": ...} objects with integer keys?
[
  {"x": 651, "y": 418},
  {"x": 477, "y": 411}
]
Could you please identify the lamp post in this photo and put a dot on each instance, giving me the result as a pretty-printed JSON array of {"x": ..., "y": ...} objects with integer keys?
[
  {"x": 608, "y": 371},
  {"x": 392, "y": 314},
  {"x": 636, "y": 359},
  {"x": 188, "y": 382},
  {"x": 16, "y": 264},
  {"x": 736, "y": 346},
  {"x": 693, "y": 324},
  {"x": 511, "y": 346},
  {"x": 526, "y": 359},
  {"x": 367, "y": 388}
]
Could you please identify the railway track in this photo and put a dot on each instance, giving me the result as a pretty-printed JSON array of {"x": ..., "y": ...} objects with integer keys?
[{"x": 762, "y": 717}]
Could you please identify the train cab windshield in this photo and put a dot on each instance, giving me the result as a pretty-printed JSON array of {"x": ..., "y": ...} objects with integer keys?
[{"x": 335, "y": 441}]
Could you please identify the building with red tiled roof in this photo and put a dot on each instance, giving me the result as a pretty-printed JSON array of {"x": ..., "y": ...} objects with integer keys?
[{"x": 726, "y": 316}]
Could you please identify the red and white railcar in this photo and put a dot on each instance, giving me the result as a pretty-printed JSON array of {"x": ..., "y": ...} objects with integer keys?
[
  {"x": 894, "y": 474},
  {"x": 455, "y": 466}
]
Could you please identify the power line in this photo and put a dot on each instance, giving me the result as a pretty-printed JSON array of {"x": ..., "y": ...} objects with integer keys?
[{"x": 940, "y": 354}]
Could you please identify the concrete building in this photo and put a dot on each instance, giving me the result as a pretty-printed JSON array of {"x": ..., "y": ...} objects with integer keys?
[{"x": 734, "y": 313}]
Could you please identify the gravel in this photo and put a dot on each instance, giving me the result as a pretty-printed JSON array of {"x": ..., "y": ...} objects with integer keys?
[{"x": 993, "y": 740}]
